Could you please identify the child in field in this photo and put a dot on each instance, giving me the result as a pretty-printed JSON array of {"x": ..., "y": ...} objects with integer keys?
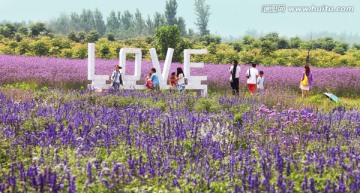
[
  {"x": 180, "y": 80},
  {"x": 260, "y": 82},
  {"x": 148, "y": 83},
  {"x": 116, "y": 78},
  {"x": 172, "y": 80},
  {"x": 155, "y": 79}
]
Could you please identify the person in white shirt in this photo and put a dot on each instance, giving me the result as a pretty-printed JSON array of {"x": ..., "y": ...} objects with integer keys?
[
  {"x": 252, "y": 75},
  {"x": 180, "y": 79},
  {"x": 234, "y": 78},
  {"x": 260, "y": 81}
]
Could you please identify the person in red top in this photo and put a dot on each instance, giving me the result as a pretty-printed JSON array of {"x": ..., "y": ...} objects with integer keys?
[{"x": 173, "y": 79}]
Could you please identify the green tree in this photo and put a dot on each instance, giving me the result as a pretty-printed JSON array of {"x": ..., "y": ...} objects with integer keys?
[
  {"x": 23, "y": 47},
  {"x": 139, "y": 24},
  {"x": 182, "y": 26},
  {"x": 150, "y": 26},
  {"x": 105, "y": 51},
  {"x": 237, "y": 46},
  {"x": 255, "y": 44},
  {"x": 92, "y": 36},
  {"x": 61, "y": 25},
  {"x": 212, "y": 48},
  {"x": 208, "y": 39},
  {"x": 159, "y": 20},
  {"x": 80, "y": 52},
  {"x": 127, "y": 20},
  {"x": 111, "y": 36},
  {"x": 295, "y": 42},
  {"x": 327, "y": 43},
  {"x": 23, "y": 30},
  {"x": 37, "y": 28},
  {"x": 315, "y": 44},
  {"x": 99, "y": 22},
  {"x": 247, "y": 40},
  {"x": 268, "y": 47},
  {"x": 356, "y": 46},
  {"x": 167, "y": 37},
  {"x": 283, "y": 43},
  {"x": 40, "y": 48},
  {"x": 18, "y": 37},
  {"x": 343, "y": 45},
  {"x": 202, "y": 12},
  {"x": 72, "y": 36},
  {"x": 191, "y": 33},
  {"x": 273, "y": 36},
  {"x": 306, "y": 45},
  {"x": 8, "y": 30},
  {"x": 170, "y": 12},
  {"x": 339, "y": 50},
  {"x": 81, "y": 36},
  {"x": 113, "y": 22},
  {"x": 269, "y": 43},
  {"x": 87, "y": 20},
  {"x": 75, "y": 22}
]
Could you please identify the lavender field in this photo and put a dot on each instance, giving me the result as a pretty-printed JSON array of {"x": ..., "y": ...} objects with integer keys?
[
  {"x": 72, "y": 73},
  {"x": 147, "y": 142},
  {"x": 74, "y": 140}
]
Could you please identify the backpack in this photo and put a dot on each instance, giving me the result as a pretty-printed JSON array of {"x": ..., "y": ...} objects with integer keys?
[
  {"x": 305, "y": 81},
  {"x": 249, "y": 75}
]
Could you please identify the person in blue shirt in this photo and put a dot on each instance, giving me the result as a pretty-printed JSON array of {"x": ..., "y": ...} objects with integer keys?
[
  {"x": 155, "y": 79},
  {"x": 260, "y": 82}
]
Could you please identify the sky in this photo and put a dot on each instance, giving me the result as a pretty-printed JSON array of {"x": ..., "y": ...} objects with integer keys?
[{"x": 228, "y": 17}]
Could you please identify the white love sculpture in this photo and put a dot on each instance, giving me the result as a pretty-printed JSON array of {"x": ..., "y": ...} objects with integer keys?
[{"x": 194, "y": 82}]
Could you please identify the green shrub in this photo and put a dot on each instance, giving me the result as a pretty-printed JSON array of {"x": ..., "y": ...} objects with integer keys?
[
  {"x": 40, "y": 48},
  {"x": 317, "y": 99},
  {"x": 110, "y": 36},
  {"x": 104, "y": 51},
  {"x": 80, "y": 51},
  {"x": 24, "y": 85},
  {"x": 208, "y": 39},
  {"x": 66, "y": 53},
  {"x": 238, "y": 119},
  {"x": 92, "y": 36},
  {"x": 206, "y": 104},
  {"x": 23, "y": 48}
]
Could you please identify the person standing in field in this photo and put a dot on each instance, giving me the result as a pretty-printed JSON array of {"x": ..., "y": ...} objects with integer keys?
[
  {"x": 252, "y": 75},
  {"x": 234, "y": 78},
  {"x": 180, "y": 78},
  {"x": 155, "y": 79},
  {"x": 116, "y": 78},
  {"x": 306, "y": 81},
  {"x": 260, "y": 82}
]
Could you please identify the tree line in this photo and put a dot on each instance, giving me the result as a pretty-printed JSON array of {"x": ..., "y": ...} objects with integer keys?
[
  {"x": 269, "y": 49},
  {"x": 123, "y": 25}
]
